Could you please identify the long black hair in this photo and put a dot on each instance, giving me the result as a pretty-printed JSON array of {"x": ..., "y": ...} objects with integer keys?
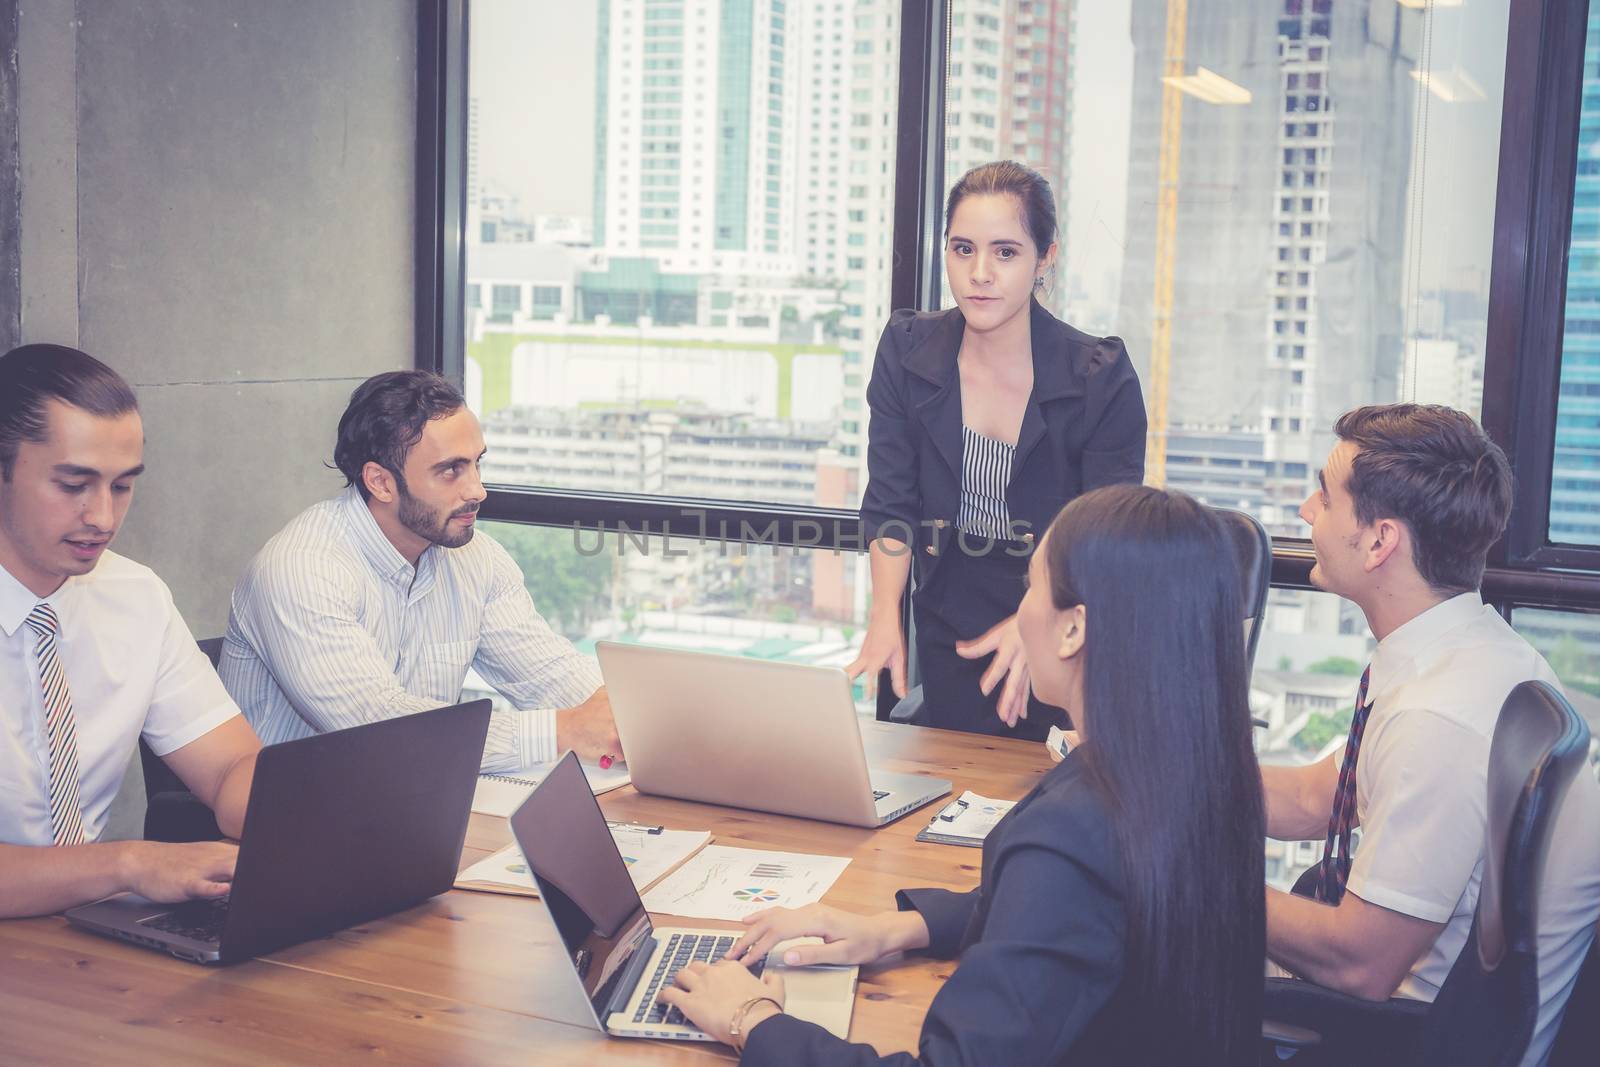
[{"x": 1167, "y": 742}]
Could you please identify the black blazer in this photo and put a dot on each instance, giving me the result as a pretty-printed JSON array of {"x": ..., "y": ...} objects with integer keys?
[
  {"x": 1084, "y": 427},
  {"x": 1041, "y": 942}
]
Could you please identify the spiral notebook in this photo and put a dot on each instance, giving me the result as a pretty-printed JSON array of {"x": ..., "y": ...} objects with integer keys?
[{"x": 502, "y": 794}]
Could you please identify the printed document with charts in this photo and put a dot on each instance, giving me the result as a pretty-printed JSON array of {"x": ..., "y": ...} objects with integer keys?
[
  {"x": 649, "y": 852},
  {"x": 730, "y": 883}
]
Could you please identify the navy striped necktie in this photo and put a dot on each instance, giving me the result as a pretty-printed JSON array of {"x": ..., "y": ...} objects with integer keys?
[{"x": 1335, "y": 866}]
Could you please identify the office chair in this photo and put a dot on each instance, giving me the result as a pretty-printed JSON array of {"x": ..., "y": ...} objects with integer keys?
[
  {"x": 1486, "y": 1009},
  {"x": 1579, "y": 1035},
  {"x": 1254, "y": 550},
  {"x": 172, "y": 813}
]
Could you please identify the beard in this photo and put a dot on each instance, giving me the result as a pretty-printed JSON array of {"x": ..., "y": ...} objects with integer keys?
[{"x": 428, "y": 524}]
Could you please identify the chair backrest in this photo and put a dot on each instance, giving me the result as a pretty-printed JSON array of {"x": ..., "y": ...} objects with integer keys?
[
  {"x": 1485, "y": 1010},
  {"x": 158, "y": 777},
  {"x": 1254, "y": 548}
]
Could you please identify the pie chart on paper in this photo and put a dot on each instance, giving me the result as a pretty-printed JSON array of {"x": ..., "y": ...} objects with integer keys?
[{"x": 756, "y": 895}]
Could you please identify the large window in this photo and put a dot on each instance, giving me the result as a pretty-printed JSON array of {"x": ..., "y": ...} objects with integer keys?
[
  {"x": 1570, "y": 641},
  {"x": 1575, "y": 469},
  {"x": 1293, "y": 220},
  {"x": 681, "y": 212},
  {"x": 683, "y": 218},
  {"x": 687, "y": 591}
]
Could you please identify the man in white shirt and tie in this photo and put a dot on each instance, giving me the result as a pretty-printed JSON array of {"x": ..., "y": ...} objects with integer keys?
[
  {"x": 93, "y": 654},
  {"x": 1406, "y": 508},
  {"x": 375, "y": 603}
]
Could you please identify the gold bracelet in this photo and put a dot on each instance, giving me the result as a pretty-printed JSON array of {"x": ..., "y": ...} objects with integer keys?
[{"x": 734, "y": 1032}]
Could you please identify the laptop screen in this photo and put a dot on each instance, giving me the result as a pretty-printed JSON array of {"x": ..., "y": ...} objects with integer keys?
[{"x": 582, "y": 880}]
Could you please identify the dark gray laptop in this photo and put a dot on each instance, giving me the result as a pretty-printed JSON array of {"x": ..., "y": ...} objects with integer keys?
[
  {"x": 620, "y": 959},
  {"x": 341, "y": 828}
]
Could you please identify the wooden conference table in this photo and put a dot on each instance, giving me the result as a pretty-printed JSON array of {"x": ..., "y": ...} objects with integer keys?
[{"x": 473, "y": 978}]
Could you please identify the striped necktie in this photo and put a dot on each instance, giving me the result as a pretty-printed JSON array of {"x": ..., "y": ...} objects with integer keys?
[
  {"x": 1335, "y": 867},
  {"x": 66, "y": 809}
]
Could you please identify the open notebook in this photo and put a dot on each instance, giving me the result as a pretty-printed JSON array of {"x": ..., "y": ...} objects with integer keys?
[{"x": 502, "y": 794}]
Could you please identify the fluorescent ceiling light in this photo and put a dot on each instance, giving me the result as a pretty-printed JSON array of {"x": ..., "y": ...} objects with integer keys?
[
  {"x": 1210, "y": 87},
  {"x": 1451, "y": 86}
]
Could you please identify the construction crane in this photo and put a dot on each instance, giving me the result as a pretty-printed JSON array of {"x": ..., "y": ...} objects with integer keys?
[{"x": 1155, "y": 464}]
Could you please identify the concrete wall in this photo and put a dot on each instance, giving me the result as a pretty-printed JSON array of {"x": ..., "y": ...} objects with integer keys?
[
  {"x": 217, "y": 198},
  {"x": 10, "y": 186}
]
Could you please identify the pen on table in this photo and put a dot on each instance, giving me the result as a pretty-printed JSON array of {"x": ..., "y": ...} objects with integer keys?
[{"x": 635, "y": 827}]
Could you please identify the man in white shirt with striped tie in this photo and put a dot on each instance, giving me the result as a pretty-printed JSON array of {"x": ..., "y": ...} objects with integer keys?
[
  {"x": 1402, "y": 518},
  {"x": 93, "y": 655},
  {"x": 375, "y": 603}
]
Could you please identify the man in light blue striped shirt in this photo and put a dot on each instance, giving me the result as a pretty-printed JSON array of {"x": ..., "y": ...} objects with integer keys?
[{"x": 375, "y": 603}]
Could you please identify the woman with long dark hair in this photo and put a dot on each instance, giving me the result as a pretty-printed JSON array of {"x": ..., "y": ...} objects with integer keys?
[
  {"x": 985, "y": 419},
  {"x": 1120, "y": 916}
]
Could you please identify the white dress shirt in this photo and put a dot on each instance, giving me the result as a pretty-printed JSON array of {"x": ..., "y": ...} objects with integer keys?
[
  {"x": 1436, "y": 688},
  {"x": 331, "y": 627},
  {"x": 132, "y": 668}
]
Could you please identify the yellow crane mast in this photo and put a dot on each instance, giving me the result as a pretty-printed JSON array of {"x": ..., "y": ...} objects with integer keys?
[{"x": 1166, "y": 239}]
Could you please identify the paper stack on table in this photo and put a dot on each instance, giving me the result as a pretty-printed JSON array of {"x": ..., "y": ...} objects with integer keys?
[
  {"x": 966, "y": 820},
  {"x": 730, "y": 883},
  {"x": 502, "y": 794},
  {"x": 649, "y": 853}
]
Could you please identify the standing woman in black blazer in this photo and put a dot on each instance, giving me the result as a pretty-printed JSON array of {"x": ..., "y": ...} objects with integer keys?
[
  {"x": 1121, "y": 914},
  {"x": 986, "y": 419}
]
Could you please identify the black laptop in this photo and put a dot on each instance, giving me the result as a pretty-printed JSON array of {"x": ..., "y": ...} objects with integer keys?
[{"x": 341, "y": 828}]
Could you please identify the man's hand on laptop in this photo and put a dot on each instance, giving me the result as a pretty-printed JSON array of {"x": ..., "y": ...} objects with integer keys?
[
  {"x": 588, "y": 729},
  {"x": 170, "y": 873}
]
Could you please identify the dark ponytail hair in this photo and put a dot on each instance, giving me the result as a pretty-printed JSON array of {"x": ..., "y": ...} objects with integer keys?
[
  {"x": 1167, "y": 732},
  {"x": 33, "y": 375},
  {"x": 1010, "y": 178}
]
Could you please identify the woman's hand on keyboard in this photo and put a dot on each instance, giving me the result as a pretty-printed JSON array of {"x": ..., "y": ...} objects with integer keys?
[
  {"x": 847, "y": 937},
  {"x": 710, "y": 995}
]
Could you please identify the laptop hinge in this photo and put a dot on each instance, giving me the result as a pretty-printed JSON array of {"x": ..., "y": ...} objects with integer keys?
[{"x": 623, "y": 991}]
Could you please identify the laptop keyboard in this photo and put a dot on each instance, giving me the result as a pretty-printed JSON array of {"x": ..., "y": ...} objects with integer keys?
[
  {"x": 682, "y": 950},
  {"x": 200, "y": 919}
]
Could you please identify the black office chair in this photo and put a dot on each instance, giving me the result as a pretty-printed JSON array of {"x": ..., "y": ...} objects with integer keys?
[
  {"x": 172, "y": 813},
  {"x": 1579, "y": 1035},
  {"x": 1485, "y": 1011},
  {"x": 1254, "y": 549}
]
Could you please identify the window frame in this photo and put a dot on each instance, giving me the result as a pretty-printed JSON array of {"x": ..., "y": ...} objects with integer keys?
[{"x": 1533, "y": 213}]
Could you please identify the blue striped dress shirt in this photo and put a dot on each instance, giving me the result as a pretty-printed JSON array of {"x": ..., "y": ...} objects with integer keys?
[{"x": 330, "y": 627}]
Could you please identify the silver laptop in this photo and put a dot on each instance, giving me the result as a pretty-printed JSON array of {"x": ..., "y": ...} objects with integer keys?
[
  {"x": 751, "y": 733},
  {"x": 621, "y": 961}
]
